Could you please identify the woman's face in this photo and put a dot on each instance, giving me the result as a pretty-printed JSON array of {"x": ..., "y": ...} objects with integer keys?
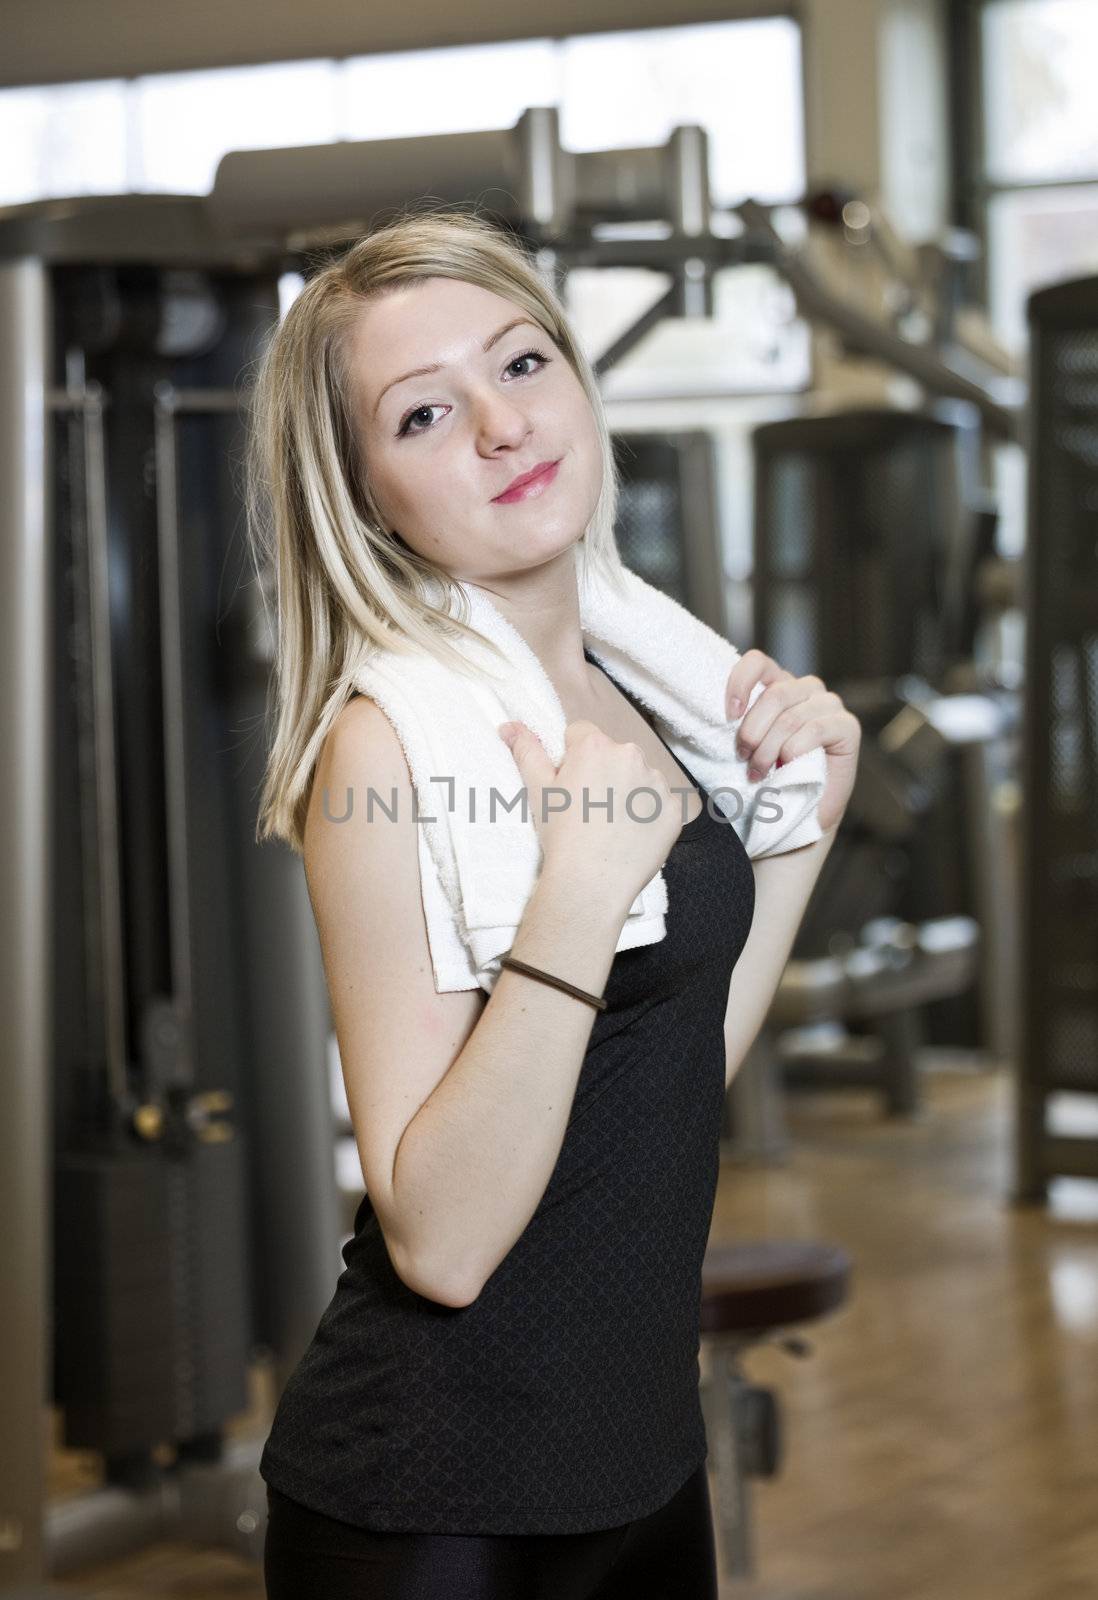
[{"x": 442, "y": 446}]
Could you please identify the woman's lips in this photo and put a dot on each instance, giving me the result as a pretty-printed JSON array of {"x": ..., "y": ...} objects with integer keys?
[{"x": 532, "y": 487}]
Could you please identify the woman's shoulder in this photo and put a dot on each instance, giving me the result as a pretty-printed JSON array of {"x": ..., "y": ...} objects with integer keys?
[
  {"x": 361, "y": 751},
  {"x": 360, "y": 728}
]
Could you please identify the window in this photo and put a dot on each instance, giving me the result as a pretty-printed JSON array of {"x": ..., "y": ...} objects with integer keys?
[
  {"x": 740, "y": 80},
  {"x": 63, "y": 141},
  {"x": 458, "y": 90},
  {"x": 183, "y": 122},
  {"x": 1037, "y": 172},
  {"x": 1038, "y": 60},
  {"x": 166, "y": 132}
]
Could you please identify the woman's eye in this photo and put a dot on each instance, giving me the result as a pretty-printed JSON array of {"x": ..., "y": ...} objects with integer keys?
[
  {"x": 425, "y": 411},
  {"x": 420, "y": 411},
  {"x": 528, "y": 355}
]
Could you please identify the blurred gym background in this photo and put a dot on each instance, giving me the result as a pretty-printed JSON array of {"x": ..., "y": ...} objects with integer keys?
[{"x": 837, "y": 264}]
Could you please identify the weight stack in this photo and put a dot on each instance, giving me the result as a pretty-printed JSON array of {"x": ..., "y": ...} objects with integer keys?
[{"x": 152, "y": 1340}]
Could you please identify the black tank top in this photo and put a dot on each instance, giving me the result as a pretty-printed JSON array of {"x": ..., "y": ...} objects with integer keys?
[{"x": 564, "y": 1399}]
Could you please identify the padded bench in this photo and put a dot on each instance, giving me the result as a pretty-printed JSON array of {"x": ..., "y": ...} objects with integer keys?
[{"x": 896, "y": 967}]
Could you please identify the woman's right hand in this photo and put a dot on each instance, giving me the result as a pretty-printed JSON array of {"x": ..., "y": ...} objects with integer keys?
[{"x": 613, "y": 852}]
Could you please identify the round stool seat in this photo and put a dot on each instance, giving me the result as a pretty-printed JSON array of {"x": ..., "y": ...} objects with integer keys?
[{"x": 773, "y": 1283}]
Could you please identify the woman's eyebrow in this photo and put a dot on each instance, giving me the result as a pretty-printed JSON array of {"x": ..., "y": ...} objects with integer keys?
[{"x": 422, "y": 372}]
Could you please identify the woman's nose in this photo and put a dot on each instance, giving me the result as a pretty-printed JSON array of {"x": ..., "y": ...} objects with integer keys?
[{"x": 500, "y": 421}]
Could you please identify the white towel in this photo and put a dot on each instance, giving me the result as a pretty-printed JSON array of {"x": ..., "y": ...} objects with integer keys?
[{"x": 477, "y": 870}]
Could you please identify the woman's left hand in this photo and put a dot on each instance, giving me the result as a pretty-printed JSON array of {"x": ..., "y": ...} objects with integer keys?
[{"x": 790, "y": 717}]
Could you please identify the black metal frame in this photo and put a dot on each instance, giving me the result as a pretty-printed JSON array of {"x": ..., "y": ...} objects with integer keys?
[{"x": 1059, "y": 894}]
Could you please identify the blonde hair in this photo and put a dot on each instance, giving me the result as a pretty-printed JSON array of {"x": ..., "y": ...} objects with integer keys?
[{"x": 345, "y": 586}]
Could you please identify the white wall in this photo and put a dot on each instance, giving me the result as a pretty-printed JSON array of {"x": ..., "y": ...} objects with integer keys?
[{"x": 875, "y": 105}]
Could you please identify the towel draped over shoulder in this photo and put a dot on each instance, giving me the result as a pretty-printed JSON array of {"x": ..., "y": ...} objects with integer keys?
[{"x": 479, "y": 853}]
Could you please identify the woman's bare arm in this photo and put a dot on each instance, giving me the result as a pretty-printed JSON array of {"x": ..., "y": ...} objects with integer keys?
[
  {"x": 783, "y": 886},
  {"x": 459, "y": 1101}
]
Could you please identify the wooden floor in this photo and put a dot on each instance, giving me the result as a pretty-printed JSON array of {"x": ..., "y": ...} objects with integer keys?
[{"x": 942, "y": 1439}]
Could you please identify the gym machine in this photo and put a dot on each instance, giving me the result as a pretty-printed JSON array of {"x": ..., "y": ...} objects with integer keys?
[{"x": 1058, "y": 1059}]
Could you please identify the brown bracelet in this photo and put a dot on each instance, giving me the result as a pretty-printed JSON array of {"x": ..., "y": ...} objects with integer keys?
[{"x": 558, "y": 983}]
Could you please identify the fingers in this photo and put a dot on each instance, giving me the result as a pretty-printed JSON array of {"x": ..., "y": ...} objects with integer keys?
[
  {"x": 520, "y": 740},
  {"x": 753, "y": 667},
  {"x": 773, "y": 717},
  {"x": 795, "y": 720},
  {"x": 529, "y": 753}
]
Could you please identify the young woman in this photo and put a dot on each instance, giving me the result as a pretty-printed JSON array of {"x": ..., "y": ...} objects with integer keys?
[{"x": 501, "y": 1400}]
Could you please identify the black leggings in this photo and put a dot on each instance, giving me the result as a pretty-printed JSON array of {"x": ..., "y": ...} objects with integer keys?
[{"x": 668, "y": 1555}]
